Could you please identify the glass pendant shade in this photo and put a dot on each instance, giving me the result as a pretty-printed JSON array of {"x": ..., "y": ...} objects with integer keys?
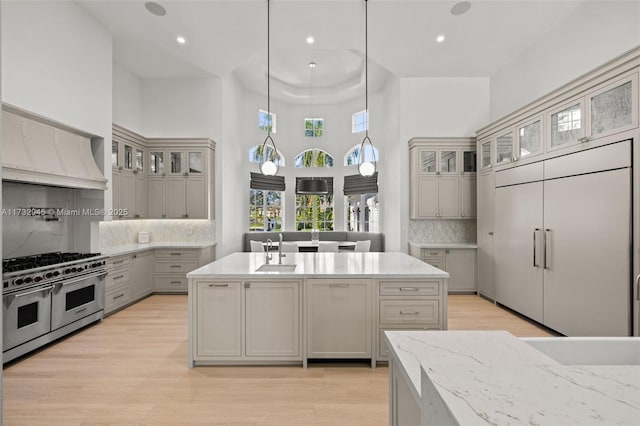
[
  {"x": 367, "y": 169},
  {"x": 269, "y": 168}
]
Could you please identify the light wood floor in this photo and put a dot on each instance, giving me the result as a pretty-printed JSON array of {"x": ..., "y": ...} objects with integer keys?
[{"x": 132, "y": 369}]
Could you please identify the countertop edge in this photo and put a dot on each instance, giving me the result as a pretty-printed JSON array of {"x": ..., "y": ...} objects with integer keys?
[
  {"x": 136, "y": 248},
  {"x": 444, "y": 245}
]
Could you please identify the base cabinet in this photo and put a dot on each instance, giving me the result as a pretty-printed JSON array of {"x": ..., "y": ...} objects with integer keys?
[
  {"x": 338, "y": 319},
  {"x": 238, "y": 320},
  {"x": 171, "y": 267},
  {"x": 141, "y": 277},
  {"x": 460, "y": 263}
]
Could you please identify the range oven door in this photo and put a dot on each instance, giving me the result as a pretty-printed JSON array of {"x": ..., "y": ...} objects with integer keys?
[
  {"x": 77, "y": 298},
  {"x": 26, "y": 315}
]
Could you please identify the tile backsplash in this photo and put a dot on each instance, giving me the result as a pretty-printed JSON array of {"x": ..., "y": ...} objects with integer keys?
[
  {"x": 121, "y": 232},
  {"x": 443, "y": 231}
]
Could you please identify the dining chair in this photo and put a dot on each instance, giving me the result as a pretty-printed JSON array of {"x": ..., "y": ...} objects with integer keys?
[
  {"x": 363, "y": 246},
  {"x": 289, "y": 247},
  {"x": 256, "y": 246},
  {"x": 328, "y": 246}
]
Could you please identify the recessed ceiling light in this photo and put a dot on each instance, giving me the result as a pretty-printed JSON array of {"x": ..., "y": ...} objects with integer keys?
[
  {"x": 440, "y": 38},
  {"x": 181, "y": 40},
  {"x": 310, "y": 40},
  {"x": 312, "y": 64},
  {"x": 155, "y": 8},
  {"x": 460, "y": 8}
]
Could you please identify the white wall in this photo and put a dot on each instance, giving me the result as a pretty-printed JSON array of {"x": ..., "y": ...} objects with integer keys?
[
  {"x": 230, "y": 162},
  {"x": 182, "y": 108},
  {"x": 596, "y": 33},
  {"x": 394, "y": 212},
  {"x": 127, "y": 99},
  {"x": 57, "y": 63}
]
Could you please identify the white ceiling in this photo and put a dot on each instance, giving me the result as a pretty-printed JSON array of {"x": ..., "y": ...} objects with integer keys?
[{"x": 225, "y": 36}]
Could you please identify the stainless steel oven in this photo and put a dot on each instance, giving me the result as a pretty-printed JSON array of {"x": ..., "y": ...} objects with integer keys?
[
  {"x": 26, "y": 315},
  {"x": 75, "y": 299}
]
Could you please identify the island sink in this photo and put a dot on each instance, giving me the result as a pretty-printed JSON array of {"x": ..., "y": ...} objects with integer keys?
[{"x": 276, "y": 268}]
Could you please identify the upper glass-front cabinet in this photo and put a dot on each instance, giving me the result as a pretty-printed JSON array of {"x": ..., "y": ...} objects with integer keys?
[
  {"x": 469, "y": 161},
  {"x": 115, "y": 157},
  {"x": 566, "y": 125},
  {"x": 427, "y": 160},
  {"x": 613, "y": 108},
  {"x": 196, "y": 162},
  {"x": 530, "y": 138},
  {"x": 485, "y": 153},
  {"x": 175, "y": 163},
  {"x": 504, "y": 148},
  {"x": 139, "y": 161},
  {"x": 448, "y": 161},
  {"x": 156, "y": 163},
  {"x": 128, "y": 157}
]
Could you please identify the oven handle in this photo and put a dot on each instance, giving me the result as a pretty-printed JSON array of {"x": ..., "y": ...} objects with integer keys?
[
  {"x": 9, "y": 298},
  {"x": 61, "y": 284}
]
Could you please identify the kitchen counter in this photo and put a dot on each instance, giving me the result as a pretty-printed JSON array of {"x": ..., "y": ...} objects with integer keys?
[
  {"x": 317, "y": 265},
  {"x": 332, "y": 305},
  {"x": 136, "y": 248},
  {"x": 492, "y": 377},
  {"x": 444, "y": 245}
]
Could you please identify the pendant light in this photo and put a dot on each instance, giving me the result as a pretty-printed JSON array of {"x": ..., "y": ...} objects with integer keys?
[
  {"x": 268, "y": 167},
  {"x": 312, "y": 186},
  {"x": 366, "y": 168}
]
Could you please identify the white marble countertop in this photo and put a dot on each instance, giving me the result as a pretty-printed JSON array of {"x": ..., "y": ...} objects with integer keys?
[
  {"x": 315, "y": 265},
  {"x": 136, "y": 248},
  {"x": 444, "y": 245},
  {"x": 492, "y": 377}
]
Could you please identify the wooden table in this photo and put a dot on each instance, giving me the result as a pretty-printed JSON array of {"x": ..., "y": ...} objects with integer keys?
[{"x": 311, "y": 246}]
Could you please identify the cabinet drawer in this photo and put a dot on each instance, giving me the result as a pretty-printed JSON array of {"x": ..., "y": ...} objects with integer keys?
[
  {"x": 437, "y": 263},
  {"x": 171, "y": 283},
  {"x": 116, "y": 297},
  {"x": 409, "y": 312},
  {"x": 432, "y": 253},
  {"x": 176, "y": 266},
  {"x": 118, "y": 261},
  {"x": 116, "y": 278},
  {"x": 408, "y": 288},
  {"x": 176, "y": 254}
]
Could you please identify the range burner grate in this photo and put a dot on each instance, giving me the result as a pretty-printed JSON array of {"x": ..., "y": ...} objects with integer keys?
[{"x": 44, "y": 259}]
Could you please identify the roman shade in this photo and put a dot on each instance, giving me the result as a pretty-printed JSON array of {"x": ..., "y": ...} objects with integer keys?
[
  {"x": 358, "y": 184},
  {"x": 329, "y": 181},
  {"x": 266, "y": 183}
]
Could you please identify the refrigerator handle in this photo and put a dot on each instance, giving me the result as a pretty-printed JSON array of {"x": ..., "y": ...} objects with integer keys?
[
  {"x": 547, "y": 248},
  {"x": 638, "y": 287},
  {"x": 535, "y": 248}
]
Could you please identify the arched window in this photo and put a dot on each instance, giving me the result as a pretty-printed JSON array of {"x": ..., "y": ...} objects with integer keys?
[
  {"x": 255, "y": 154},
  {"x": 351, "y": 159},
  {"x": 314, "y": 158}
]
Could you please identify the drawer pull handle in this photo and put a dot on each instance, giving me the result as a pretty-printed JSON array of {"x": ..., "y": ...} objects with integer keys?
[
  {"x": 117, "y": 262},
  {"x": 218, "y": 285},
  {"x": 434, "y": 253},
  {"x": 176, "y": 282},
  {"x": 79, "y": 311},
  {"x": 175, "y": 266},
  {"x": 339, "y": 285},
  {"x": 118, "y": 296},
  {"x": 409, "y": 313},
  {"x": 118, "y": 277},
  {"x": 175, "y": 254},
  {"x": 409, "y": 289}
]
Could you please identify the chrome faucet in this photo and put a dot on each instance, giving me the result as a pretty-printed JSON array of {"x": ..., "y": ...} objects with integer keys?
[
  {"x": 267, "y": 253},
  {"x": 280, "y": 254}
]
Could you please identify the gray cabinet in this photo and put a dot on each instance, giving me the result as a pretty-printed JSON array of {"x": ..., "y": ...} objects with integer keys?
[
  {"x": 486, "y": 190},
  {"x": 443, "y": 173},
  {"x": 460, "y": 263},
  {"x": 338, "y": 315},
  {"x": 218, "y": 331},
  {"x": 141, "y": 281}
]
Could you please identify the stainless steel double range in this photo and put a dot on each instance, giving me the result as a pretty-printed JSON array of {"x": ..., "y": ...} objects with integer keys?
[{"x": 49, "y": 295}]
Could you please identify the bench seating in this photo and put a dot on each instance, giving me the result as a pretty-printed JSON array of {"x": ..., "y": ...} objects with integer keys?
[{"x": 377, "y": 239}]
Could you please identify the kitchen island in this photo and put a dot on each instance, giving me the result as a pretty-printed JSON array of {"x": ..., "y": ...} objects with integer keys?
[
  {"x": 492, "y": 377},
  {"x": 315, "y": 306}
]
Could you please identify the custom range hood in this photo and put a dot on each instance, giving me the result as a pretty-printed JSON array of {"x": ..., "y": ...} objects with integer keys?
[{"x": 37, "y": 150}]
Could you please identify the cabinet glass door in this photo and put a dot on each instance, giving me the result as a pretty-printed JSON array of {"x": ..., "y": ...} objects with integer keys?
[
  {"x": 196, "y": 163},
  {"x": 612, "y": 109},
  {"x": 468, "y": 161},
  {"x": 156, "y": 162},
  {"x": 115, "y": 148},
  {"x": 128, "y": 157},
  {"x": 139, "y": 160},
  {"x": 427, "y": 161},
  {"x": 486, "y": 154},
  {"x": 176, "y": 163},
  {"x": 504, "y": 148},
  {"x": 448, "y": 161},
  {"x": 530, "y": 138},
  {"x": 566, "y": 126}
]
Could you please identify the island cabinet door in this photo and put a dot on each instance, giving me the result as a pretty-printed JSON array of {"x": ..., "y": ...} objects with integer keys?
[
  {"x": 272, "y": 312},
  {"x": 219, "y": 319},
  {"x": 339, "y": 318}
]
